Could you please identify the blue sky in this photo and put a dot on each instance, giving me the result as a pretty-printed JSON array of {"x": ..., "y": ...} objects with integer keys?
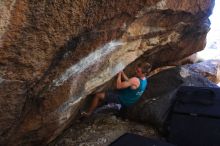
[
  {"x": 212, "y": 50},
  {"x": 215, "y": 15}
]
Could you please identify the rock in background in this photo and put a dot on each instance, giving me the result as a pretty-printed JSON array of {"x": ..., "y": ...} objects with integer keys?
[
  {"x": 54, "y": 53},
  {"x": 209, "y": 69}
]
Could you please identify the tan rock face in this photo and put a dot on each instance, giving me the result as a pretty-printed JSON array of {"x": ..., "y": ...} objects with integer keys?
[{"x": 54, "y": 53}]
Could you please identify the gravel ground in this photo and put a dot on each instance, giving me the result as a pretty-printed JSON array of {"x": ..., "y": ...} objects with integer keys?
[{"x": 100, "y": 130}]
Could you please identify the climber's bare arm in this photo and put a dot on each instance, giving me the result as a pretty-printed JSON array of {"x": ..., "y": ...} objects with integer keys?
[
  {"x": 124, "y": 76},
  {"x": 133, "y": 82}
]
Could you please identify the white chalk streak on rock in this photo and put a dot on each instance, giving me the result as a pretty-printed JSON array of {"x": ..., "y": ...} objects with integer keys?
[{"x": 87, "y": 61}]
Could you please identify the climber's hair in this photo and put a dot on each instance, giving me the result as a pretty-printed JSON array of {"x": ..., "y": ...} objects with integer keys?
[{"x": 145, "y": 67}]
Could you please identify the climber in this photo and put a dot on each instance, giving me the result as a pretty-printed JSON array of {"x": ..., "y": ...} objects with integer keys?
[{"x": 128, "y": 90}]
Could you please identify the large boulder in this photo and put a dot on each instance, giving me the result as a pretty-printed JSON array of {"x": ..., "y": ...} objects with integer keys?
[
  {"x": 54, "y": 53},
  {"x": 155, "y": 104}
]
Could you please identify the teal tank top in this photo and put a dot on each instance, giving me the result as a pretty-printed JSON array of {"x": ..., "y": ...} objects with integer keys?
[{"x": 129, "y": 96}]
